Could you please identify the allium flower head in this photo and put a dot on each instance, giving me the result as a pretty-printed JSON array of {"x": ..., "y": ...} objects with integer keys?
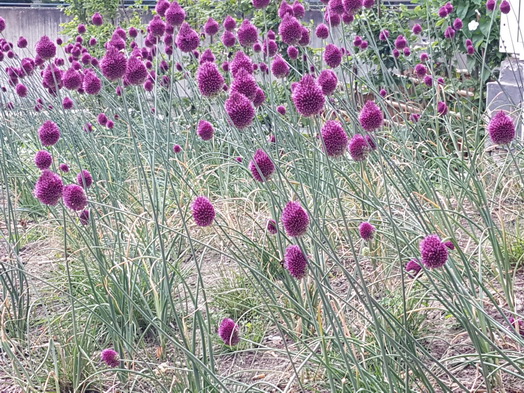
[
  {"x": 279, "y": 67},
  {"x": 45, "y": 48},
  {"x": 84, "y": 217},
  {"x": 413, "y": 268},
  {"x": 434, "y": 253},
  {"x": 2, "y": 24},
  {"x": 334, "y": 138},
  {"x": 97, "y": 19},
  {"x": 383, "y": 35},
  {"x": 210, "y": 80},
  {"x": 401, "y": 42},
  {"x": 332, "y": 19},
  {"x": 48, "y": 188},
  {"x": 443, "y": 12},
  {"x": 366, "y": 231},
  {"x": 371, "y": 117},
  {"x": 322, "y": 31},
  {"x": 336, "y": 7},
  {"x": 442, "y": 108},
  {"x": 175, "y": 15},
  {"x": 458, "y": 24},
  {"x": 260, "y": 97},
  {"x": 211, "y": 27},
  {"x": 295, "y": 219},
  {"x": 205, "y": 130},
  {"x": 229, "y": 332},
  {"x": 352, "y": 6},
  {"x": 420, "y": 70},
  {"x": 49, "y": 133},
  {"x": 247, "y": 34},
  {"x": 228, "y": 39},
  {"x": 240, "y": 110},
  {"x": 229, "y": 23},
  {"x": 245, "y": 84},
  {"x": 428, "y": 80},
  {"x": 177, "y": 149},
  {"x": 305, "y": 39},
  {"x": 21, "y": 90},
  {"x": 113, "y": 64},
  {"x": 22, "y": 42},
  {"x": 156, "y": 26},
  {"x": 417, "y": 29},
  {"x": 292, "y": 52},
  {"x": 332, "y": 56},
  {"x": 161, "y": 7},
  {"x": 270, "y": 48},
  {"x": 450, "y": 245},
  {"x": 259, "y": 4},
  {"x": 501, "y": 128},
  {"x": 271, "y": 227},
  {"x": 424, "y": 56},
  {"x": 505, "y": 7},
  {"x": 43, "y": 159},
  {"x": 110, "y": 357},
  {"x": 84, "y": 178},
  {"x": 187, "y": 39},
  {"x": 284, "y": 9},
  {"x": 136, "y": 72},
  {"x": 368, "y": 3},
  {"x": 74, "y": 197},
  {"x": 295, "y": 262},
  {"x": 308, "y": 97},
  {"x": 490, "y": 5},
  {"x": 290, "y": 30},
  {"x": 298, "y": 10},
  {"x": 449, "y": 33},
  {"x": 67, "y": 103},
  {"x": 203, "y": 211},
  {"x": 357, "y": 41},
  {"x": 358, "y": 147},
  {"x": 328, "y": 82},
  {"x": 241, "y": 61},
  {"x": 261, "y": 166},
  {"x": 383, "y": 92}
]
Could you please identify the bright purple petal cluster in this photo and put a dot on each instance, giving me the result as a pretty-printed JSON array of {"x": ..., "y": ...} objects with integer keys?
[
  {"x": 501, "y": 128},
  {"x": 241, "y": 61},
  {"x": 245, "y": 84},
  {"x": 48, "y": 188},
  {"x": 328, "y": 81},
  {"x": 371, "y": 117},
  {"x": 358, "y": 148},
  {"x": 91, "y": 83},
  {"x": 175, "y": 15},
  {"x": 136, "y": 71},
  {"x": 240, "y": 110},
  {"x": 247, "y": 34},
  {"x": 413, "y": 268},
  {"x": 229, "y": 332},
  {"x": 366, "y": 230},
  {"x": 43, "y": 159},
  {"x": 433, "y": 251},
  {"x": 210, "y": 80},
  {"x": 187, "y": 39},
  {"x": 332, "y": 56},
  {"x": 114, "y": 64},
  {"x": 261, "y": 166},
  {"x": 308, "y": 97},
  {"x": 260, "y": 97},
  {"x": 352, "y": 6},
  {"x": 203, "y": 211},
  {"x": 45, "y": 48},
  {"x": 205, "y": 130},
  {"x": 74, "y": 197},
  {"x": 110, "y": 357},
  {"x": 295, "y": 262},
  {"x": 290, "y": 30},
  {"x": 334, "y": 138},
  {"x": 84, "y": 178},
  {"x": 279, "y": 67},
  {"x": 211, "y": 27},
  {"x": 322, "y": 31},
  {"x": 295, "y": 219},
  {"x": 271, "y": 227},
  {"x": 49, "y": 133}
]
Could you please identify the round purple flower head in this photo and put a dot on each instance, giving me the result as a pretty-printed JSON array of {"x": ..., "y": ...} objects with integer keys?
[
  {"x": 210, "y": 80},
  {"x": 84, "y": 178},
  {"x": 334, "y": 138},
  {"x": 110, "y": 357},
  {"x": 43, "y": 159},
  {"x": 505, "y": 8},
  {"x": 290, "y": 30},
  {"x": 229, "y": 23},
  {"x": 357, "y": 41},
  {"x": 414, "y": 117},
  {"x": 45, "y": 48},
  {"x": 413, "y": 268},
  {"x": 284, "y": 9},
  {"x": 136, "y": 72},
  {"x": 91, "y": 83},
  {"x": 102, "y": 119},
  {"x": 424, "y": 56},
  {"x": 175, "y": 15},
  {"x": 48, "y": 188},
  {"x": 67, "y": 103},
  {"x": 383, "y": 92},
  {"x": 449, "y": 33},
  {"x": 156, "y": 26},
  {"x": 261, "y": 166},
  {"x": 308, "y": 97},
  {"x": 366, "y": 230},
  {"x": 328, "y": 82},
  {"x": 298, "y": 10},
  {"x": 322, "y": 31},
  {"x": 84, "y": 217},
  {"x": 205, "y": 130},
  {"x": 228, "y": 39},
  {"x": 295, "y": 219},
  {"x": 371, "y": 117},
  {"x": 279, "y": 67},
  {"x": 401, "y": 42},
  {"x": 245, "y": 84},
  {"x": 74, "y": 197},
  {"x": 450, "y": 245},
  {"x": 113, "y": 65},
  {"x": 442, "y": 108},
  {"x": 490, "y": 5},
  {"x": 49, "y": 133},
  {"x": 64, "y": 167},
  {"x": 443, "y": 11},
  {"x": 260, "y": 97},
  {"x": 241, "y": 61},
  {"x": 420, "y": 70},
  {"x": 72, "y": 79},
  {"x": 417, "y": 29},
  {"x": 281, "y": 109},
  {"x": 352, "y": 6},
  {"x": 358, "y": 148},
  {"x": 211, "y": 27},
  {"x": 458, "y": 24},
  {"x": 428, "y": 80},
  {"x": 229, "y": 332},
  {"x": 22, "y": 42},
  {"x": 247, "y": 34},
  {"x": 292, "y": 52},
  {"x": 383, "y": 35},
  {"x": 271, "y": 227},
  {"x": 161, "y": 7},
  {"x": 203, "y": 211},
  {"x": 434, "y": 253},
  {"x": 295, "y": 262},
  {"x": 368, "y": 3},
  {"x": 187, "y": 39},
  {"x": 336, "y": 7},
  {"x": 97, "y": 19},
  {"x": 240, "y": 110},
  {"x": 501, "y": 129},
  {"x": 2, "y": 24},
  {"x": 332, "y": 56},
  {"x": 21, "y": 90},
  {"x": 259, "y": 4}
]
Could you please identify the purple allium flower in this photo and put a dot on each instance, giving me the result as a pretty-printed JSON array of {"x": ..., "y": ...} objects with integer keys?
[
  {"x": 84, "y": 178},
  {"x": 203, "y": 211},
  {"x": 281, "y": 109},
  {"x": 271, "y": 227},
  {"x": 490, "y": 5},
  {"x": 81, "y": 28},
  {"x": 322, "y": 31},
  {"x": 48, "y": 188},
  {"x": 229, "y": 23},
  {"x": 210, "y": 80},
  {"x": 414, "y": 117},
  {"x": 257, "y": 47},
  {"x": 238, "y": 159},
  {"x": 136, "y": 72},
  {"x": 347, "y": 18},
  {"x": 434, "y": 253},
  {"x": 449, "y": 7},
  {"x": 45, "y": 48},
  {"x": 175, "y": 15},
  {"x": 440, "y": 81},
  {"x": 505, "y": 8},
  {"x": 334, "y": 138},
  {"x": 161, "y": 7},
  {"x": 244, "y": 83},
  {"x": 113, "y": 65},
  {"x": 240, "y": 110},
  {"x": 64, "y": 167},
  {"x": 110, "y": 124},
  {"x": 332, "y": 56},
  {"x": 270, "y": 48},
  {"x": 442, "y": 108},
  {"x": 358, "y": 148},
  {"x": 207, "y": 56},
  {"x": 501, "y": 128},
  {"x": 298, "y": 10},
  {"x": 102, "y": 119},
  {"x": 67, "y": 103},
  {"x": 148, "y": 85},
  {"x": 368, "y": 3},
  {"x": 229, "y": 332},
  {"x": 110, "y": 357},
  {"x": 205, "y": 130},
  {"x": 2, "y": 24},
  {"x": 247, "y": 34},
  {"x": 470, "y": 49},
  {"x": 187, "y": 39},
  {"x": 417, "y": 29},
  {"x": 305, "y": 39},
  {"x": 308, "y": 97},
  {"x": 228, "y": 39},
  {"x": 284, "y": 9},
  {"x": 271, "y": 35},
  {"x": 260, "y": 97},
  {"x": 413, "y": 268},
  {"x": 43, "y": 159},
  {"x": 21, "y": 90},
  {"x": 22, "y": 42},
  {"x": 74, "y": 197},
  {"x": 428, "y": 80},
  {"x": 371, "y": 142},
  {"x": 352, "y": 6},
  {"x": 443, "y": 12},
  {"x": 177, "y": 149},
  {"x": 406, "y": 51},
  {"x": 295, "y": 262},
  {"x": 424, "y": 57},
  {"x": 295, "y": 219},
  {"x": 91, "y": 83},
  {"x": 383, "y": 35},
  {"x": 261, "y": 166},
  {"x": 156, "y": 26},
  {"x": 241, "y": 61},
  {"x": 292, "y": 52},
  {"x": 420, "y": 70},
  {"x": 332, "y": 19},
  {"x": 366, "y": 230},
  {"x": 383, "y": 92},
  {"x": 290, "y": 30},
  {"x": 457, "y": 24},
  {"x": 336, "y": 7},
  {"x": 364, "y": 45},
  {"x": 357, "y": 41},
  {"x": 49, "y": 133},
  {"x": 449, "y": 33},
  {"x": 450, "y": 245},
  {"x": 279, "y": 67},
  {"x": 97, "y": 19},
  {"x": 371, "y": 117},
  {"x": 328, "y": 82},
  {"x": 401, "y": 42},
  {"x": 211, "y": 27},
  {"x": 84, "y": 217},
  {"x": 468, "y": 42},
  {"x": 259, "y": 4},
  {"x": 395, "y": 53}
]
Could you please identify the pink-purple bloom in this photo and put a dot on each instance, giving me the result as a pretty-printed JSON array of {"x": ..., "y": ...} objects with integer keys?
[
  {"x": 366, "y": 231},
  {"x": 229, "y": 332},
  {"x": 49, "y": 133},
  {"x": 187, "y": 39},
  {"x": 84, "y": 178},
  {"x": 332, "y": 55},
  {"x": 240, "y": 110},
  {"x": 279, "y": 67},
  {"x": 271, "y": 227},
  {"x": 501, "y": 128},
  {"x": 205, "y": 130},
  {"x": 413, "y": 268},
  {"x": 175, "y": 15},
  {"x": 295, "y": 262},
  {"x": 43, "y": 159},
  {"x": 295, "y": 219},
  {"x": 74, "y": 197},
  {"x": 113, "y": 65},
  {"x": 48, "y": 188},
  {"x": 110, "y": 357},
  {"x": 358, "y": 147},
  {"x": 505, "y": 7},
  {"x": 211, "y": 27},
  {"x": 45, "y": 48},
  {"x": 433, "y": 251},
  {"x": 210, "y": 80},
  {"x": 247, "y": 33},
  {"x": 322, "y": 31},
  {"x": 328, "y": 82},
  {"x": 261, "y": 166},
  {"x": 203, "y": 211},
  {"x": 371, "y": 117},
  {"x": 308, "y": 97},
  {"x": 334, "y": 138},
  {"x": 290, "y": 30}
]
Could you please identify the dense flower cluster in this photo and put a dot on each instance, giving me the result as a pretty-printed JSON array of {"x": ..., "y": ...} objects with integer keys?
[
  {"x": 295, "y": 262},
  {"x": 203, "y": 211},
  {"x": 501, "y": 128},
  {"x": 434, "y": 252},
  {"x": 229, "y": 332},
  {"x": 308, "y": 97},
  {"x": 334, "y": 138},
  {"x": 295, "y": 219},
  {"x": 261, "y": 166}
]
